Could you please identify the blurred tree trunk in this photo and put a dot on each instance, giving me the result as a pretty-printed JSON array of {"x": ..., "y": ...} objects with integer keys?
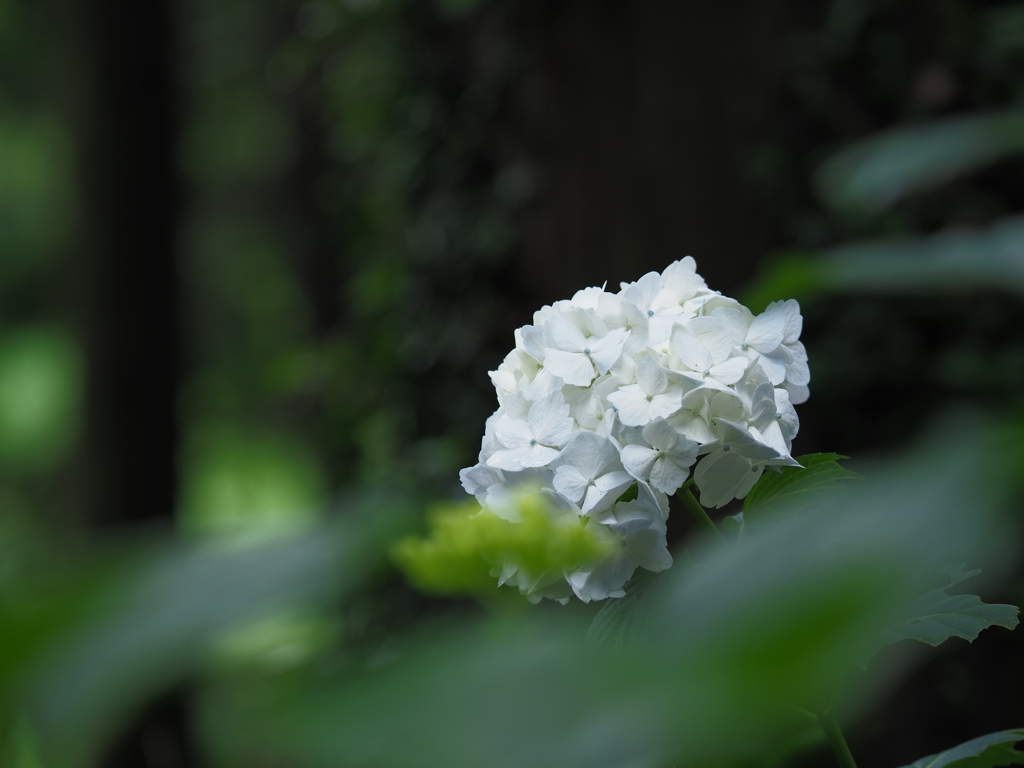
[
  {"x": 121, "y": 67},
  {"x": 127, "y": 290},
  {"x": 638, "y": 119}
]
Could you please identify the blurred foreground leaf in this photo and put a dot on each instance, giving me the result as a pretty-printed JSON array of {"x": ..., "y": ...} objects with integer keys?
[
  {"x": 152, "y": 622},
  {"x": 953, "y": 260},
  {"x": 718, "y": 661},
  {"x": 614, "y": 622},
  {"x": 887, "y": 167},
  {"x": 938, "y": 616},
  {"x": 792, "y": 489},
  {"x": 983, "y": 752}
]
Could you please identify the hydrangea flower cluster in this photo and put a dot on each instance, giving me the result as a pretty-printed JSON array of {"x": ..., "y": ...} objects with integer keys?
[{"x": 608, "y": 401}]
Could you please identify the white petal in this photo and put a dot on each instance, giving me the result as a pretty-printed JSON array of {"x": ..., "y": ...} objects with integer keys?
[
  {"x": 681, "y": 278},
  {"x": 693, "y": 354},
  {"x": 786, "y": 415},
  {"x": 772, "y": 436},
  {"x": 512, "y": 433},
  {"x": 749, "y": 479},
  {"x": 477, "y": 479},
  {"x": 768, "y": 329},
  {"x": 632, "y": 405},
  {"x": 653, "y": 505},
  {"x": 744, "y": 441},
  {"x": 603, "y": 581},
  {"x": 637, "y": 459},
  {"x": 762, "y": 405},
  {"x": 725, "y": 405},
  {"x": 605, "y": 491},
  {"x": 587, "y": 408},
  {"x": 587, "y": 298},
  {"x": 591, "y": 454},
  {"x": 661, "y": 434},
  {"x": 774, "y": 367},
  {"x": 667, "y": 476},
  {"x": 736, "y": 321},
  {"x": 797, "y": 394},
  {"x": 605, "y": 351},
  {"x": 515, "y": 459},
  {"x": 664, "y": 405},
  {"x": 504, "y": 378},
  {"x": 651, "y": 376},
  {"x": 571, "y": 483},
  {"x": 693, "y": 427},
  {"x": 532, "y": 341},
  {"x": 641, "y": 293},
  {"x": 794, "y": 322},
  {"x": 797, "y": 371},
  {"x": 544, "y": 385},
  {"x": 572, "y": 367},
  {"x": 719, "y": 476},
  {"x": 684, "y": 453},
  {"x": 550, "y": 420},
  {"x": 731, "y": 370},
  {"x": 650, "y": 550},
  {"x": 712, "y": 333},
  {"x": 565, "y": 336}
]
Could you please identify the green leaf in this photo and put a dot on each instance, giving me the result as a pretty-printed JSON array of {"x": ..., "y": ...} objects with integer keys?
[
  {"x": 938, "y": 616},
  {"x": 616, "y": 621},
  {"x": 630, "y": 494},
  {"x": 792, "y": 489},
  {"x": 885, "y": 168},
  {"x": 744, "y": 638},
  {"x": 983, "y": 752},
  {"x": 952, "y": 260},
  {"x": 789, "y": 275},
  {"x": 156, "y": 620}
]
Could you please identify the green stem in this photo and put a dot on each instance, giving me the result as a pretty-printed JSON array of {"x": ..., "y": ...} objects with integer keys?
[
  {"x": 699, "y": 514},
  {"x": 836, "y": 740}
]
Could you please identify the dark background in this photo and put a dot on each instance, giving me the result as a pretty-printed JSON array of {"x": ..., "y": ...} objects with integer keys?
[{"x": 254, "y": 256}]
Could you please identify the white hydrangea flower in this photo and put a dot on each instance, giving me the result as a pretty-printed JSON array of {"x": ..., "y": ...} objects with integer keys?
[
  {"x": 653, "y": 396},
  {"x": 590, "y": 473},
  {"x": 535, "y": 442},
  {"x": 665, "y": 464},
  {"x": 579, "y": 355},
  {"x": 706, "y": 358},
  {"x": 608, "y": 400}
]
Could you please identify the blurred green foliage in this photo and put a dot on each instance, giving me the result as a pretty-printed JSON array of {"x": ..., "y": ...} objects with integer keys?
[
  {"x": 741, "y": 641},
  {"x": 351, "y": 225},
  {"x": 104, "y": 639},
  {"x": 40, "y": 388},
  {"x": 246, "y": 484},
  {"x": 466, "y": 546}
]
